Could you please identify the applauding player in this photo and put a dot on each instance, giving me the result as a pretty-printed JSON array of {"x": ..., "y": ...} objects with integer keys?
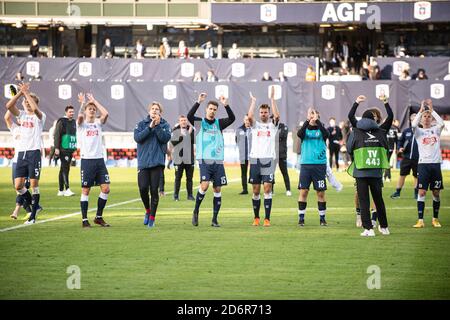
[
  {"x": 313, "y": 163},
  {"x": 429, "y": 168}
]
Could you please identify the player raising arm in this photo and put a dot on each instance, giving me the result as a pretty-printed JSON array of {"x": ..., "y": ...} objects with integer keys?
[
  {"x": 429, "y": 167},
  {"x": 31, "y": 120},
  {"x": 210, "y": 152},
  {"x": 263, "y": 155},
  {"x": 93, "y": 169}
]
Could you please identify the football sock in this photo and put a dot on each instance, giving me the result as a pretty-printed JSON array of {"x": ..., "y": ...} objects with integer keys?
[
  {"x": 398, "y": 190},
  {"x": 436, "y": 206},
  {"x": 322, "y": 206},
  {"x": 35, "y": 203},
  {"x": 267, "y": 205},
  {"x": 256, "y": 200},
  {"x": 217, "y": 201},
  {"x": 84, "y": 203},
  {"x": 102, "y": 198},
  {"x": 198, "y": 199},
  {"x": 358, "y": 211},
  {"x": 420, "y": 206},
  {"x": 301, "y": 210}
]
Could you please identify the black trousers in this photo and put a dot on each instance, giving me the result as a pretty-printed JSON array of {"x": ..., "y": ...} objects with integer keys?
[
  {"x": 387, "y": 172},
  {"x": 376, "y": 189},
  {"x": 162, "y": 181},
  {"x": 149, "y": 179},
  {"x": 244, "y": 170},
  {"x": 334, "y": 153},
  {"x": 189, "y": 169},
  {"x": 66, "y": 160},
  {"x": 284, "y": 171}
]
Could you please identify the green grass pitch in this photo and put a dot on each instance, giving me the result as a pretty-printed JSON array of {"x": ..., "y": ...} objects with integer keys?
[{"x": 237, "y": 261}]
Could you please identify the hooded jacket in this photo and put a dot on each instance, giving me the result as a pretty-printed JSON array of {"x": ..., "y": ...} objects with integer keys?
[
  {"x": 366, "y": 125},
  {"x": 151, "y": 143}
]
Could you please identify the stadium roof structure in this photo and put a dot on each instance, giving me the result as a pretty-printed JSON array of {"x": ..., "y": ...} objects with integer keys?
[
  {"x": 207, "y": 13},
  {"x": 176, "y": 13}
]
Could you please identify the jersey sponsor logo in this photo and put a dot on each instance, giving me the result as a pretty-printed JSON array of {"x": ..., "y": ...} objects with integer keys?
[
  {"x": 85, "y": 69},
  {"x": 429, "y": 140},
  {"x": 91, "y": 133},
  {"x": 27, "y": 124},
  {"x": 422, "y": 10},
  {"x": 263, "y": 133},
  {"x": 268, "y": 12}
]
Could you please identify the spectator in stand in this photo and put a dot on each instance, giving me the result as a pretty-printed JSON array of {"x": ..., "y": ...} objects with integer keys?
[
  {"x": 108, "y": 49},
  {"x": 165, "y": 51},
  {"x": 345, "y": 131},
  {"x": 364, "y": 71},
  {"x": 34, "y": 48},
  {"x": 310, "y": 75},
  {"x": 382, "y": 49},
  {"x": 197, "y": 77},
  {"x": 328, "y": 56},
  {"x": 183, "y": 51},
  {"x": 266, "y": 77},
  {"x": 401, "y": 47},
  {"x": 343, "y": 70},
  {"x": 405, "y": 74},
  {"x": 281, "y": 77},
  {"x": 19, "y": 76},
  {"x": 374, "y": 71},
  {"x": 334, "y": 142},
  {"x": 234, "y": 52},
  {"x": 358, "y": 55},
  {"x": 344, "y": 52},
  {"x": 210, "y": 76},
  {"x": 209, "y": 50},
  {"x": 139, "y": 50},
  {"x": 420, "y": 75}
]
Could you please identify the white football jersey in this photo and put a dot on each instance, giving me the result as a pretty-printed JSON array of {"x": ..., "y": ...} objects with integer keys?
[
  {"x": 30, "y": 131},
  {"x": 263, "y": 140},
  {"x": 90, "y": 139},
  {"x": 429, "y": 140},
  {"x": 15, "y": 132}
]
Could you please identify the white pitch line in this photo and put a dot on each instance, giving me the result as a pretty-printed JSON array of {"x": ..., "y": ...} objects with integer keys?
[{"x": 79, "y": 212}]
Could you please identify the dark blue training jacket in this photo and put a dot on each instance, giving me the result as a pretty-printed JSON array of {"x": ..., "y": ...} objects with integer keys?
[{"x": 151, "y": 143}]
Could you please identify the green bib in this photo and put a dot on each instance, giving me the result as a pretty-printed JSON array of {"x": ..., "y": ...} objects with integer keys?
[
  {"x": 69, "y": 142},
  {"x": 371, "y": 158}
]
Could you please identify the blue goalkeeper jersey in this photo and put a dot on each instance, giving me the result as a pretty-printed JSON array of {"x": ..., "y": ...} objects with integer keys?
[
  {"x": 314, "y": 148},
  {"x": 209, "y": 141}
]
